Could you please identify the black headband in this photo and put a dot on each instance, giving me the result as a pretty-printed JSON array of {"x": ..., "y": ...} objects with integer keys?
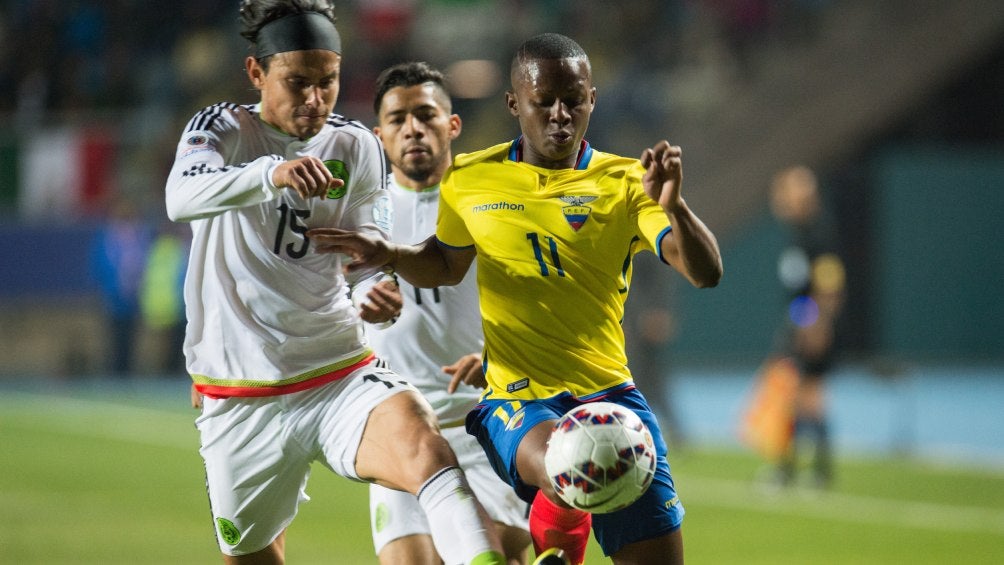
[{"x": 297, "y": 32}]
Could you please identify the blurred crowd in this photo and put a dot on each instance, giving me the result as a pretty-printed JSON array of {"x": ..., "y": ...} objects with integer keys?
[
  {"x": 84, "y": 55},
  {"x": 105, "y": 87},
  {"x": 146, "y": 68}
]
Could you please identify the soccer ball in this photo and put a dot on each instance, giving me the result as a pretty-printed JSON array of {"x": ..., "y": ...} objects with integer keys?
[{"x": 600, "y": 457}]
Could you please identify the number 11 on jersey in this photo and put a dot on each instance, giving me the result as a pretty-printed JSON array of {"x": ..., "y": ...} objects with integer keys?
[{"x": 538, "y": 253}]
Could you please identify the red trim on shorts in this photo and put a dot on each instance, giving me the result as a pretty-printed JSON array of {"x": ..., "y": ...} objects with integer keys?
[{"x": 216, "y": 391}]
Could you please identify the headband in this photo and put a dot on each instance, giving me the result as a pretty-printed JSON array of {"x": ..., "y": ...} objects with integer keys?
[{"x": 297, "y": 32}]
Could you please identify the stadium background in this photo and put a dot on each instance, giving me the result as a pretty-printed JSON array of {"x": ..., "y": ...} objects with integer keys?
[{"x": 895, "y": 104}]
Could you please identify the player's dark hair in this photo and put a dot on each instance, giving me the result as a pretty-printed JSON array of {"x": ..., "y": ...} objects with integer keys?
[
  {"x": 407, "y": 74},
  {"x": 547, "y": 46},
  {"x": 254, "y": 14}
]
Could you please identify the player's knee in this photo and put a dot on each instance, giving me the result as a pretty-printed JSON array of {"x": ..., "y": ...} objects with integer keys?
[
  {"x": 433, "y": 453},
  {"x": 419, "y": 457}
]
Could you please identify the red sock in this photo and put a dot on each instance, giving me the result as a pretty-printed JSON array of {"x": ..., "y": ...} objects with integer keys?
[{"x": 554, "y": 526}]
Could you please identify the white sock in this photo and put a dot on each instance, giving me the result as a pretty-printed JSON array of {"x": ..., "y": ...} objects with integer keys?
[{"x": 456, "y": 519}]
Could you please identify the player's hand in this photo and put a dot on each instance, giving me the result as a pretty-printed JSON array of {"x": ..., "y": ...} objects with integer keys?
[
  {"x": 196, "y": 398},
  {"x": 663, "y": 178},
  {"x": 366, "y": 251},
  {"x": 383, "y": 303},
  {"x": 306, "y": 176},
  {"x": 467, "y": 370}
]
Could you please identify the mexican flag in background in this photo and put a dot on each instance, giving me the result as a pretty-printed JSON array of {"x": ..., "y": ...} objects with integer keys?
[{"x": 65, "y": 172}]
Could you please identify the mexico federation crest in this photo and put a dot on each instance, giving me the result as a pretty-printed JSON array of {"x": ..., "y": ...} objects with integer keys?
[
  {"x": 339, "y": 171},
  {"x": 576, "y": 212},
  {"x": 228, "y": 531}
]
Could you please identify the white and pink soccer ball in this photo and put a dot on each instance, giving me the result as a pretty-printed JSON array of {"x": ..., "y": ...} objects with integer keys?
[{"x": 600, "y": 457}]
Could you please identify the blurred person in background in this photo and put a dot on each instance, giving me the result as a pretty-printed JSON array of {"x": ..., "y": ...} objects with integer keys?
[
  {"x": 812, "y": 274},
  {"x": 118, "y": 259},
  {"x": 437, "y": 341},
  {"x": 162, "y": 296},
  {"x": 554, "y": 224},
  {"x": 275, "y": 344}
]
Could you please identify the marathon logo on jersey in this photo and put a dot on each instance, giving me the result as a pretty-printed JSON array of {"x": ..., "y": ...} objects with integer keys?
[
  {"x": 497, "y": 206},
  {"x": 196, "y": 143},
  {"x": 576, "y": 212},
  {"x": 337, "y": 170}
]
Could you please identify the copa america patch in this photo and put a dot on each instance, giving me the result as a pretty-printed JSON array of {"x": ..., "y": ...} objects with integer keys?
[
  {"x": 197, "y": 140},
  {"x": 383, "y": 212},
  {"x": 196, "y": 143}
]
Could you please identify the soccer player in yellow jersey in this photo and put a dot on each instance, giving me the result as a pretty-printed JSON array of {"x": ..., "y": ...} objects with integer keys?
[{"x": 554, "y": 224}]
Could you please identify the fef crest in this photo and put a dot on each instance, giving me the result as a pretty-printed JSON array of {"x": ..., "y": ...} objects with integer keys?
[{"x": 576, "y": 212}]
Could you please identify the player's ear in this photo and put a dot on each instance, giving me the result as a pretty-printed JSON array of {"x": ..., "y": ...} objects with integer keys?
[
  {"x": 512, "y": 103},
  {"x": 456, "y": 124},
  {"x": 256, "y": 74}
]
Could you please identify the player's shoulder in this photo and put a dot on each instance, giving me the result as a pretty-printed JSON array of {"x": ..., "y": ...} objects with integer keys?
[
  {"x": 612, "y": 167},
  {"x": 349, "y": 126},
  {"x": 219, "y": 116},
  {"x": 342, "y": 129},
  {"x": 602, "y": 160},
  {"x": 494, "y": 154}
]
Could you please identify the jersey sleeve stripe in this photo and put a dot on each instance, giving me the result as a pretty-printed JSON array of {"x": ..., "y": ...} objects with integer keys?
[
  {"x": 658, "y": 243},
  {"x": 448, "y": 246},
  {"x": 204, "y": 119}
]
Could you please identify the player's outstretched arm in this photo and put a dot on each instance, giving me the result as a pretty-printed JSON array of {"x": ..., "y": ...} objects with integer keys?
[
  {"x": 425, "y": 265},
  {"x": 690, "y": 247}
]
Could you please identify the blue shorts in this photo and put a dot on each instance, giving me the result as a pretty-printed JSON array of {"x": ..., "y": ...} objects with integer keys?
[{"x": 500, "y": 426}]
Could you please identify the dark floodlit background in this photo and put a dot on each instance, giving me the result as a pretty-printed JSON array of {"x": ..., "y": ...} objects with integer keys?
[{"x": 896, "y": 106}]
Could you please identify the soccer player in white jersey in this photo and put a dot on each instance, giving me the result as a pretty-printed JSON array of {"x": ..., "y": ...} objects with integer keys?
[
  {"x": 554, "y": 224},
  {"x": 274, "y": 342},
  {"x": 437, "y": 341}
]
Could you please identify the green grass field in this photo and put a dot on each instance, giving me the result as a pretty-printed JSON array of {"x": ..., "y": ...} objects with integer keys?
[{"x": 98, "y": 475}]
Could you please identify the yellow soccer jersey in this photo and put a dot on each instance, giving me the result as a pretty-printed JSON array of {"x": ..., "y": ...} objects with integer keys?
[{"x": 554, "y": 264}]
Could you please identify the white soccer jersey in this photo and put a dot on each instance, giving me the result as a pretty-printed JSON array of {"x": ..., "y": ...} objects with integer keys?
[
  {"x": 437, "y": 326},
  {"x": 266, "y": 314}
]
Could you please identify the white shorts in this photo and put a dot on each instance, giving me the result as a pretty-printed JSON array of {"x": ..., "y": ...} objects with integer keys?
[
  {"x": 258, "y": 451},
  {"x": 395, "y": 514}
]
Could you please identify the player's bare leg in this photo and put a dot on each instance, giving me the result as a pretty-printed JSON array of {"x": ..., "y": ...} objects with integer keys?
[
  {"x": 402, "y": 448},
  {"x": 409, "y": 550},
  {"x": 553, "y": 524},
  {"x": 515, "y": 542},
  {"x": 663, "y": 550},
  {"x": 418, "y": 549},
  {"x": 274, "y": 554}
]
